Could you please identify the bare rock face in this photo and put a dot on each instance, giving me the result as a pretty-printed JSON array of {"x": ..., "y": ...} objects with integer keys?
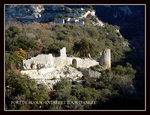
[
  {"x": 48, "y": 13},
  {"x": 24, "y": 13},
  {"x": 50, "y": 76},
  {"x": 92, "y": 73},
  {"x": 36, "y": 13},
  {"x": 105, "y": 59}
]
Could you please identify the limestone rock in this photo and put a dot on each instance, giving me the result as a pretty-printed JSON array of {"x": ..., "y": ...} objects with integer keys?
[
  {"x": 24, "y": 13},
  {"x": 92, "y": 73},
  {"x": 47, "y": 13},
  {"x": 50, "y": 76}
]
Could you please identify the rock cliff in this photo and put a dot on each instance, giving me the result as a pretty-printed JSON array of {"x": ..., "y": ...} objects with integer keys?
[
  {"x": 47, "y": 13},
  {"x": 23, "y": 13},
  {"x": 50, "y": 76}
]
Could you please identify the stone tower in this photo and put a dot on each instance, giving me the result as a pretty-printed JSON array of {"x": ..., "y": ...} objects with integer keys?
[
  {"x": 63, "y": 53},
  {"x": 105, "y": 59}
]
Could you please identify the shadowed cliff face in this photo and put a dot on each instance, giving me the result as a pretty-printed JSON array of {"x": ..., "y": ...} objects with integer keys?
[
  {"x": 131, "y": 20},
  {"x": 23, "y": 13}
]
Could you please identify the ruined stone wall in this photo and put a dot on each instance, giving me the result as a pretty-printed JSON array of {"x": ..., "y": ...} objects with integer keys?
[
  {"x": 49, "y": 70},
  {"x": 48, "y": 61},
  {"x": 82, "y": 63},
  {"x": 50, "y": 76},
  {"x": 40, "y": 61},
  {"x": 63, "y": 53}
]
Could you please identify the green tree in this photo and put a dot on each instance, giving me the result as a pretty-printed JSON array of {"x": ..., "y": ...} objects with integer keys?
[
  {"x": 85, "y": 94},
  {"x": 64, "y": 86},
  {"x": 118, "y": 78},
  {"x": 12, "y": 32},
  {"x": 12, "y": 61},
  {"x": 22, "y": 88},
  {"x": 83, "y": 47}
]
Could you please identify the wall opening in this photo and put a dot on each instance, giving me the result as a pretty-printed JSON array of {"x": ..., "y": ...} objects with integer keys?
[{"x": 74, "y": 63}]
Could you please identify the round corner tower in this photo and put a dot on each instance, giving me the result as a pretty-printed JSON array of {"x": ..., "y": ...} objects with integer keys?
[{"x": 105, "y": 59}]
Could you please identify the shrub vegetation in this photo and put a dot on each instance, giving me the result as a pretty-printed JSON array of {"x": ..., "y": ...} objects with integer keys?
[{"x": 23, "y": 41}]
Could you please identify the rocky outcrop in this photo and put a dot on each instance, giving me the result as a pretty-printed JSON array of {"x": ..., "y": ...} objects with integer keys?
[
  {"x": 91, "y": 73},
  {"x": 97, "y": 22},
  {"x": 52, "y": 12},
  {"x": 50, "y": 76},
  {"x": 47, "y": 13},
  {"x": 23, "y": 13}
]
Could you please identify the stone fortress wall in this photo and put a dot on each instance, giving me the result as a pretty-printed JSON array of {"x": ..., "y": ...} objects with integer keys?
[
  {"x": 49, "y": 70},
  {"x": 48, "y": 61}
]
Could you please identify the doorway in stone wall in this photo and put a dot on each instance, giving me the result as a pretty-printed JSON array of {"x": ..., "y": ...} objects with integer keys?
[{"x": 74, "y": 63}]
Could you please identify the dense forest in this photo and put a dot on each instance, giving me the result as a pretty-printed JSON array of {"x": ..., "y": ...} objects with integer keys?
[{"x": 113, "y": 90}]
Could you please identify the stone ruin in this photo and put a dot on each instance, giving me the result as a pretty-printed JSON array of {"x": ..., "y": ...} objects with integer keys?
[
  {"x": 49, "y": 70},
  {"x": 48, "y": 61},
  {"x": 105, "y": 59}
]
